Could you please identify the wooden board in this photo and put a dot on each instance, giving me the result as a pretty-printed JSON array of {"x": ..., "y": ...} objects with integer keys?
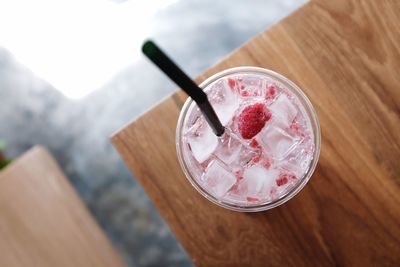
[
  {"x": 345, "y": 55},
  {"x": 42, "y": 220}
]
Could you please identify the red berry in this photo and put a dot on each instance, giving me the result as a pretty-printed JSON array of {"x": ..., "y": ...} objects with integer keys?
[
  {"x": 254, "y": 143},
  {"x": 284, "y": 179},
  {"x": 270, "y": 91},
  {"x": 256, "y": 159},
  {"x": 252, "y": 199},
  {"x": 281, "y": 181},
  {"x": 252, "y": 120},
  {"x": 231, "y": 83},
  {"x": 266, "y": 163}
]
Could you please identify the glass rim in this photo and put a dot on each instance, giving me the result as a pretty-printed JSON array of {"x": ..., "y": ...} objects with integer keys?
[{"x": 314, "y": 125}]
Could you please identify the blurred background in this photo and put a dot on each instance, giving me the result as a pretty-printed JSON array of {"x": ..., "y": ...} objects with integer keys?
[{"x": 71, "y": 74}]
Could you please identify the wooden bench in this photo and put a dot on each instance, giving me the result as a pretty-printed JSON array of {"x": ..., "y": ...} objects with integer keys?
[{"x": 43, "y": 223}]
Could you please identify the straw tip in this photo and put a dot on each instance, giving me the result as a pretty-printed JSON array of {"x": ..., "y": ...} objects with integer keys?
[{"x": 148, "y": 47}]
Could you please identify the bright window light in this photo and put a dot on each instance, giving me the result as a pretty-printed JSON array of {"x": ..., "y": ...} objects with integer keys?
[{"x": 76, "y": 45}]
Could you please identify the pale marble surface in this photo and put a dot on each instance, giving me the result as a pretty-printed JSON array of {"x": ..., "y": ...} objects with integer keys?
[{"x": 197, "y": 34}]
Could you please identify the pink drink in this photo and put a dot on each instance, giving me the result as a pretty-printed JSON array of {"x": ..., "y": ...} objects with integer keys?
[{"x": 270, "y": 146}]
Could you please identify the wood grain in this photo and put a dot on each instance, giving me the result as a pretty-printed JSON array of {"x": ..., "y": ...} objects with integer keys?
[
  {"x": 345, "y": 55},
  {"x": 42, "y": 220}
]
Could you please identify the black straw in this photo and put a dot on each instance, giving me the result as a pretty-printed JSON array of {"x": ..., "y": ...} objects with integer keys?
[{"x": 154, "y": 53}]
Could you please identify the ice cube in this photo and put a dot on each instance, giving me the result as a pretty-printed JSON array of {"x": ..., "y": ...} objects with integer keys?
[
  {"x": 202, "y": 141},
  {"x": 229, "y": 148},
  {"x": 224, "y": 101},
  {"x": 251, "y": 86},
  {"x": 257, "y": 181},
  {"x": 283, "y": 111},
  {"x": 293, "y": 168},
  {"x": 299, "y": 159},
  {"x": 217, "y": 179},
  {"x": 247, "y": 155},
  {"x": 277, "y": 142},
  {"x": 285, "y": 181}
]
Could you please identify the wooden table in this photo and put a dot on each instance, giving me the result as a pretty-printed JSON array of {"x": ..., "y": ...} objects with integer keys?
[
  {"x": 345, "y": 55},
  {"x": 43, "y": 223}
]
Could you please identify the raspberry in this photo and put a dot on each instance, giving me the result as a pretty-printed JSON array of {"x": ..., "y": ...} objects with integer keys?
[
  {"x": 254, "y": 143},
  {"x": 231, "y": 83},
  {"x": 252, "y": 199},
  {"x": 266, "y": 163},
  {"x": 256, "y": 158},
  {"x": 270, "y": 91},
  {"x": 281, "y": 180},
  {"x": 284, "y": 179},
  {"x": 252, "y": 120}
]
